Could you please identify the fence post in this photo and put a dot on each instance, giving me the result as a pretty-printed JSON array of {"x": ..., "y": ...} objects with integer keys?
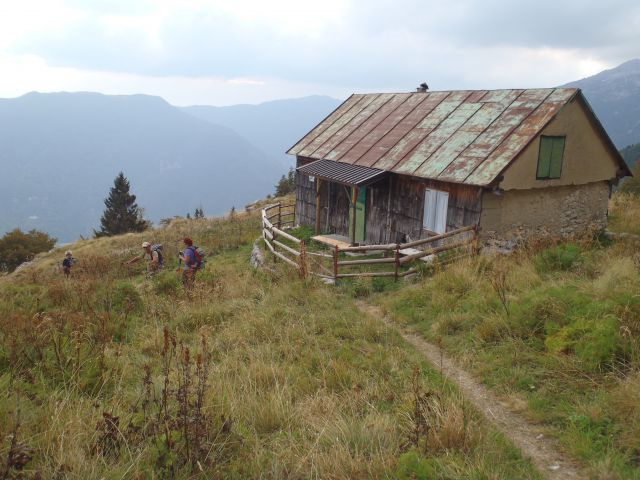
[
  {"x": 474, "y": 244},
  {"x": 279, "y": 215},
  {"x": 303, "y": 260},
  {"x": 397, "y": 262},
  {"x": 335, "y": 263}
]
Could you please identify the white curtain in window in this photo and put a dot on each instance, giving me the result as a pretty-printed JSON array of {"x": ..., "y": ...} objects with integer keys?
[{"x": 435, "y": 210}]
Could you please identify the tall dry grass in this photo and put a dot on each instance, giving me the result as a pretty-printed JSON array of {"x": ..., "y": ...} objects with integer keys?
[{"x": 251, "y": 375}]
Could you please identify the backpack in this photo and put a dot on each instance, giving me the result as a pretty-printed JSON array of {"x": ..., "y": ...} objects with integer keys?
[
  {"x": 158, "y": 248},
  {"x": 198, "y": 255}
]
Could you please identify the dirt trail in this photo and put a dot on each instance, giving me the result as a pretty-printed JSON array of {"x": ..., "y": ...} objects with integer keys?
[{"x": 544, "y": 452}]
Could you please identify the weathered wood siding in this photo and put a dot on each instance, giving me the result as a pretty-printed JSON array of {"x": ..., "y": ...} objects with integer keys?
[{"x": 395, "y": 207}]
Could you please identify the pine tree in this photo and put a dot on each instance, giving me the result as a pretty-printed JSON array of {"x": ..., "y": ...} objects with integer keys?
[
  {"x": 287, "y": 184},
  {"x": 199, "y": 213},
  {"x": 122, "y": 214}
]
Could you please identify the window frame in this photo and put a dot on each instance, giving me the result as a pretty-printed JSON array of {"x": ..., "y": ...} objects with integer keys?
[{"x": 552, "y": 139}]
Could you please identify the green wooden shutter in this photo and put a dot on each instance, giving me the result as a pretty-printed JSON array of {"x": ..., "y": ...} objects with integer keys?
[
  {"x": 556, "y": 157},
  {"x": 550, "y": 157},
  {"x": 544, "y": 157}
]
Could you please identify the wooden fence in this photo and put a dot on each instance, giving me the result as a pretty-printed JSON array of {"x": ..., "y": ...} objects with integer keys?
[{"x": 333, "y": 265}]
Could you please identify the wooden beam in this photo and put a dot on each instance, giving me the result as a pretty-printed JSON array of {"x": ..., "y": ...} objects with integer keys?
[
  {"x": 280, "y": 233},
  {"x": 435, "y": 250},
  {"x": 292, "y": 251},
  {"x": 368, "y": 261},
  {"x": 318, "y": 206},
  {"x": 366, "y": 274},
  {"x": 354, "y": 199},
  {"x": 437, "y": 237}
]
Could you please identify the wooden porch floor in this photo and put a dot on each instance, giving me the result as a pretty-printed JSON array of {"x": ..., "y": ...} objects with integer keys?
[{"x": 340, "y": 240}]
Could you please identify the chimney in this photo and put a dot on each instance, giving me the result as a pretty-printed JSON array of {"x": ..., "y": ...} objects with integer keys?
[{"x": 423, "y": 88}]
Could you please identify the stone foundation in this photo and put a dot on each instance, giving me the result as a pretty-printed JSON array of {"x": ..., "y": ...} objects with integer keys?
[{"x": 519, "y": 215}]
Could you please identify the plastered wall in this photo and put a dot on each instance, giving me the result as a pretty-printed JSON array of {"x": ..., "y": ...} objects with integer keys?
[{"x": 586, "y": 158}]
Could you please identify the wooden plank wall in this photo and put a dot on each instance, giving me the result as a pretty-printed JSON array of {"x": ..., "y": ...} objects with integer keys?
[{"x": 395, "y": 207}]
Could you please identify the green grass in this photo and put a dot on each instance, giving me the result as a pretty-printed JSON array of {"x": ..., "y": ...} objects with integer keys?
[
  {"x": 556, "y": 332},
  {"x": 252, "y": 375}
]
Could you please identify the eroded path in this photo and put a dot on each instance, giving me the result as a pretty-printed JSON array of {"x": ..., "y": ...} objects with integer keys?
[{"x": 544, "y": 452}]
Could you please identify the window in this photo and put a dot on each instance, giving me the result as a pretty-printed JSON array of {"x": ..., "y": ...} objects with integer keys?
[
  {"x": 435, "y": 210},
  {"x": 550, "y": 157}
]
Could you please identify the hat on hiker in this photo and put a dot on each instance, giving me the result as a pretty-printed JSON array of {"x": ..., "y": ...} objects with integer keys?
[
  {"x": 187, "y": 241},
  {"x": 68, "y": 252},
  {"x": 145, "y": 244}
]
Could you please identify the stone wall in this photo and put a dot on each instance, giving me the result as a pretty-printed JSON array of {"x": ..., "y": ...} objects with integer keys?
[{"x": 518, "y": 215}]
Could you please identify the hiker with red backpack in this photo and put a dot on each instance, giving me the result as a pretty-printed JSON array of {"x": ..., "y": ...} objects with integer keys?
[{"x": 193, "y": 258}]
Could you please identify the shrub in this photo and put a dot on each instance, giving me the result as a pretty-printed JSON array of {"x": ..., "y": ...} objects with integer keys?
[
  {"x": 412, "y": 466},
  {"x": 562, "y": 257},
  {"x": 17, "y": 247},
  {"x": 126, "y": 298},
  {"x": 380, "y": 284},
  {"x": 360, "y": 288},
  {"x": 595, "y": 342},
  {"x": 600, "y": 346},
  {"x": 166, "y": 284}
]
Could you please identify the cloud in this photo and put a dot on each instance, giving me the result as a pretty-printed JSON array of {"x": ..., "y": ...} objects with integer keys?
[{"x": 338, "y": 45}]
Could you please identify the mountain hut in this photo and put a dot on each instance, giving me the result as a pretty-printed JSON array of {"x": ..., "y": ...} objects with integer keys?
[{"x": 398, "y": 167}]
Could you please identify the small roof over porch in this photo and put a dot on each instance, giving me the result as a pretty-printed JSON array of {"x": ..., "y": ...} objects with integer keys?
[{"x": 343, "y": 173}]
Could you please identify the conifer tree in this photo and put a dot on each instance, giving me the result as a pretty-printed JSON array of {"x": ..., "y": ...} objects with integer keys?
[
  {"x": 287, "y": 184},
  {"x": 122, "y": 214}
]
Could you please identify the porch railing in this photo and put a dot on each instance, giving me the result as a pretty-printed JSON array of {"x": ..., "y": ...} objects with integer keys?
[{"x": 334, "y": 265}]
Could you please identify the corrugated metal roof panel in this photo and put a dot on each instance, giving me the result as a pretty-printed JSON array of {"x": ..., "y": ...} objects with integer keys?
[
  {"x": 457, "y": 136},
  {"x": 322, "y": 126},
  {"x": 342, "y": 172}
]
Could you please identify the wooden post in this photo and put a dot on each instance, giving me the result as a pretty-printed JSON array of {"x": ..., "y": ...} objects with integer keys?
[
  {"x": 474, "y": 246},
  {"x": 354, "y": 200},
  {"x": 397, "y": 262},
  {"x": 318, "y": 206},
  {"x": 335, "y": 263},
  {"x": 303, "y": 260},
  {"x": 279, "y": 215}
]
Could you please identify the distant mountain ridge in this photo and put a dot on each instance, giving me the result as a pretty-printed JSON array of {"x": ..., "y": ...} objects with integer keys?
[
  {"x": 61, "y": 151},
  {"x": 271, "y": 126},
  {"x": 615, "y": 97},
  {"x": 631, "y": 154}
]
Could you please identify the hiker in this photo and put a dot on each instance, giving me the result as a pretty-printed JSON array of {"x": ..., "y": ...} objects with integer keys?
[
  {"x": 67, "y": 263},
  {"x": 154, "y": 253},
  {"x": 193, "y": 258}
]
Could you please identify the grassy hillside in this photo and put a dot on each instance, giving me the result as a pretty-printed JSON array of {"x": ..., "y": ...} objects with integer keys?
[
  {"x": 255, "y": 375},
  {"x": 554, "y": 329}
]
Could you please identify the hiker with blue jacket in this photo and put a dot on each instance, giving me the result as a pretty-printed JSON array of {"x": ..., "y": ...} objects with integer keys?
[
  {"x": 192, "y": 260},
  {"x": 154, "y": 255},
  {"x": 67, "y": 263}
]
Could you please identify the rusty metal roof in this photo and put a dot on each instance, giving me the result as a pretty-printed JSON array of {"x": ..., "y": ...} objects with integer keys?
[
  {"x": 463, "y": 136},
  {"x": 343, "y": 173}
]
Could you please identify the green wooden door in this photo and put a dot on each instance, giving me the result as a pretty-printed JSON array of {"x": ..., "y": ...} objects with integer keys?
[{"x": 361, "y": 203}]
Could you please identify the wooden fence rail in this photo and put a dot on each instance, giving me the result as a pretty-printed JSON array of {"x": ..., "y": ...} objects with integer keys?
[{"x": 310, "y": 263}]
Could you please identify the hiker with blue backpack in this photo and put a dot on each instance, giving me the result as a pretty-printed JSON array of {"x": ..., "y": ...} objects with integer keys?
[
  {"x": 154, "y": 255},
  {"x": 67, "y": 263},
  {"x": 193, "y": 259}
]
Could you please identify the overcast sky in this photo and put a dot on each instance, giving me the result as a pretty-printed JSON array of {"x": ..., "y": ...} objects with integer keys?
[{"x": 222, "y": 52}]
